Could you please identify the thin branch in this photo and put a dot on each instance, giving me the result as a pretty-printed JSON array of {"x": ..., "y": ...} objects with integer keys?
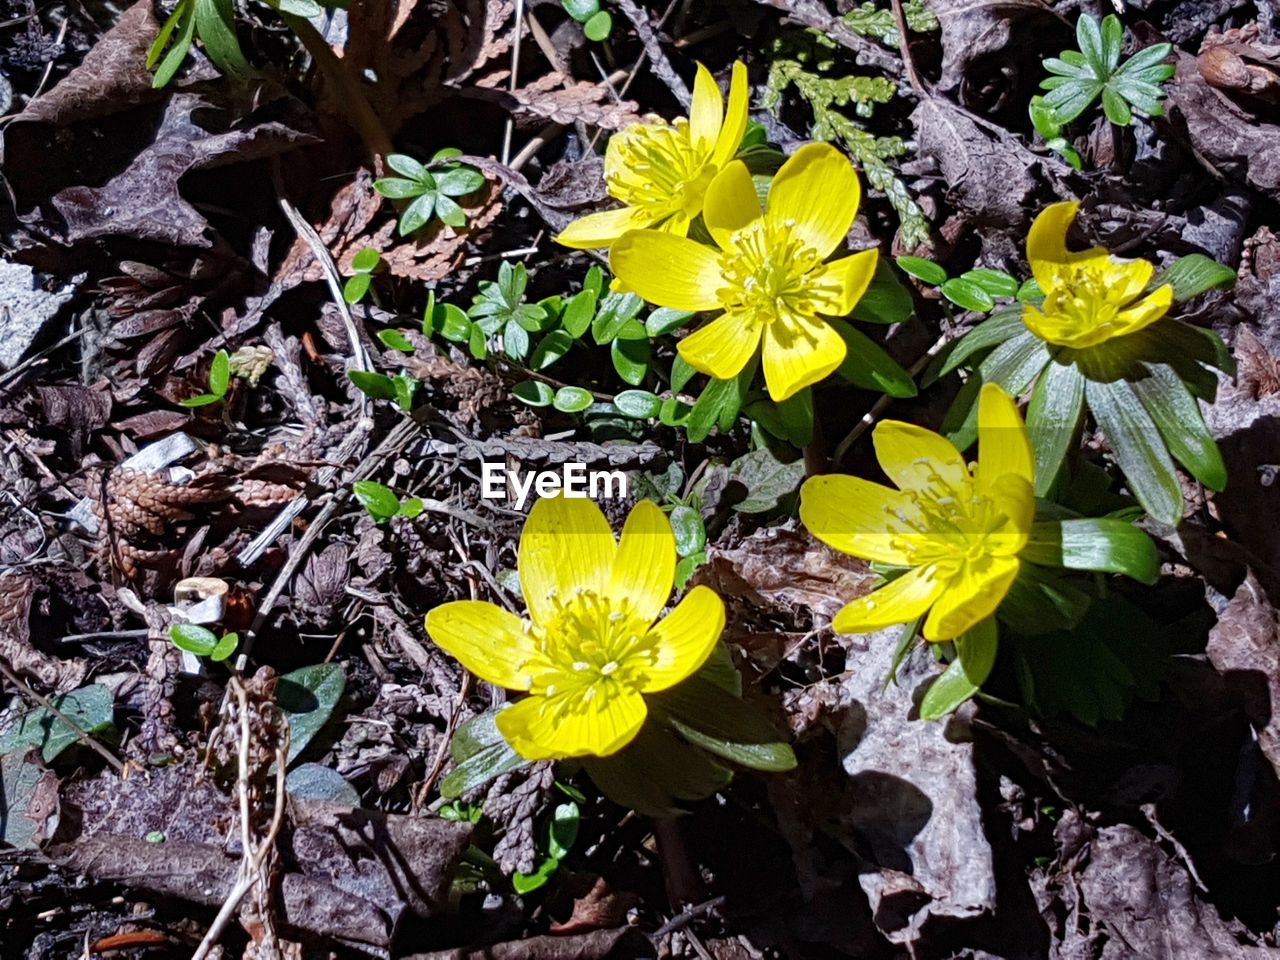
[{"x": 45, "y": 702}]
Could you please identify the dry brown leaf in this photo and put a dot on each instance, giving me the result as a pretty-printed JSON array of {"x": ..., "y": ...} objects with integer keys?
[
  {"x": 16, "y": 593},
  {"x": 564, "y": 103}
]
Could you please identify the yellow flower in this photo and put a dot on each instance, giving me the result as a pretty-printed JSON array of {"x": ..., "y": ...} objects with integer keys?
[
  {"x": 591, "y": 648},
  {"x": 768, "y": 275},
  {"x": 660, "y": 171},
  {"x": 1089, "y": 296},
  {"x": 959, "y": 528}
]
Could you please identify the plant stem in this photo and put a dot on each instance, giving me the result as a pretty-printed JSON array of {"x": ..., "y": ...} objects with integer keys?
[
  {"x": 684, "y": 886},
  {"x": 359, "y": 112}
]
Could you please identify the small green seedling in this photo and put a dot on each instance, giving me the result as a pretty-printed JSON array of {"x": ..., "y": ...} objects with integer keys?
[
  {"x": 383, "y": 503},
  {"x": 363, "y": 265},
  {"x": 431, "y": 188},
  {"x": 203, "y": 642},
  {"x": 975, "y": 290},
  {"x": 561, "y": 833},
  {"x": 1081, "y": 76},
  {"x": 219, "y": 381},
  {"x": 597, "y": 24},
  {"x": 401, "y": 388}
]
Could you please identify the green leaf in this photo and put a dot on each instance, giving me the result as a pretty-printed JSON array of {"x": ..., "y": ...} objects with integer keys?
[
  {"x": 220, "y": 374},
  {"x": 535, "y": 393},
  {"x": 459, "y": 181},
  {"x": 562, "y": 833},
  {"x": 200, "y": 400},
  {"x": 630, "y": 359},
  {"x": 378, "y": 386},
  {"x": 215, "y": 25},
  {"x": 1053, "y": 420},
  {"x": 1044, "y": 119},
  {"x": 1138, "y": 449},
  {"x": 380, "y": 500},
  {"x": 1145, "y": 59},
  {"x": 720, "y": 403},
  {"x": 1177, "y": 415},
  {"x": 581, "y": 10},
  {"x": 411, "y": 508},
  {"x": 886, "y": 300},
  {"x": 637, "y": 404},
  {"x": 615, "y": 311},
  {"x": 1072, "y": 98},
  {"x": 406, "y": 166},
  {"x": 1029, "y": 292},
  {"x": 366, "y": 260},
  {"x": 975, "y": 656},
  {"x": 396, "y": 340},
  {"x": 710, "y": 717},
  {"x": 923, "y": 270},
  {"x": 598, "y": 27},
  {"x": 89, "y": 710},
  {"x": 523, "y": 883},
  {"x": 681, "y": 373},
  {"x": 314, "y": 781},
  {"x": 1116, "y": 108},
  {"x": 768, "y": 480},
  {"x": 193, "y": 638},
  {"x": 868, "y": 366},
  {"x": 550, "y": 349},
  {"x": 356, "y": 287},
  {"x": 396, "y": 188},
  {"x": 480, "y": 755},
  {"x": 452, "y": 323},
  {"x": 579, "y": 313},
  {"x": 308, "y": 698},
  {"x": 690, "y": 531},
  {"x": 417, "y": 214},
  {"x": 673, "y": 412},
  {"x": 183, "y": 18},
  {"x": 996, "y": 283},
  {"x": 1193, "y": 275},
  {"x": 967, "y": 294},
  {"x": 515, "y": 340},
  {"x": 664, "y": 320},
  {"x": 1102, "y": 544},
  {"x": 1112, "y": 41},
  {"x": 795, "y": 414},
  {"x": 1002, "y": 325},
  {"x": 404, "y": 386},
  {"x": 1090, "y": 42},
  {"x": 572, "y": 399},
  {"x": 225, "y": 648},
  {"x": 656, "y": 771},
  {"x": 21, "y": 819},
  {"x": 448, "y": 212},
  {"x": 1044, "y": 598}
]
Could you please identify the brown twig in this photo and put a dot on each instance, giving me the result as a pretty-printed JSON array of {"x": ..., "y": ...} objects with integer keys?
[{"x": 904, "y": 47}]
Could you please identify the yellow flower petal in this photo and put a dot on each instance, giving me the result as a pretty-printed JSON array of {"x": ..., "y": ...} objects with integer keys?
[
  {"x": 970, "y": 597},
  {"x": 730, "y": 203},
  {"x": 817, "y": 191},
  {"x": 667, "y": 270},
  {"x": 735, "y": 117},
  {"x": 569, "y": 725},
  {"x": 1128, "y": 278},
  {"x": 911, "y": 456},
  {"x": 566, "y": 545},
  {"x": 799, "y": 351},
  {"x": 645, "y": 568},
  {"x": 858, "y": 517},
  {"x": 1047, "y": 243},
  {"x": 722, "y": 348},
  {"x": 706, "y": 113},
  {"x": 1145, "y": 312},
  {"x": 1015, "y": 498},
  {"x": 487, "y": 640},
  {"x": 899, "y": 601},
  {"x": 602, "y": 229},
  {"x": 837, "y": 286},
  {"x": 1004, "y": 447},
  {"x": 685, "y": 638}
]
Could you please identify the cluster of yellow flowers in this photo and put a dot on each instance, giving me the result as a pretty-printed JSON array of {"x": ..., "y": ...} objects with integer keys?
[{"x": 595, "y": 642}]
